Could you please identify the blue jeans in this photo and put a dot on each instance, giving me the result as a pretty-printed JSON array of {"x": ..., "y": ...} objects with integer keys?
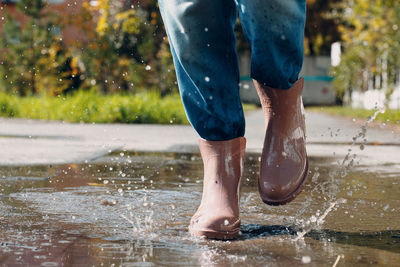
[{"x": 202, "y": 42}]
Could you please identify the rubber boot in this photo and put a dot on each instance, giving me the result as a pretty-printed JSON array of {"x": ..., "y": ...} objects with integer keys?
[
  {"x": 218, "y": 214},
  {"x": 284, "y": 163}
]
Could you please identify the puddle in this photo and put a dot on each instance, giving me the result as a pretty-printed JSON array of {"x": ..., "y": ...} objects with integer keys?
[{"x": 133, "y": 209}]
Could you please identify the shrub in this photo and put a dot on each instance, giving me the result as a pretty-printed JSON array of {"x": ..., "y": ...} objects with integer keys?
[
  {"x": 91, "y": 106},
  {"x": 35, "y": 58}
]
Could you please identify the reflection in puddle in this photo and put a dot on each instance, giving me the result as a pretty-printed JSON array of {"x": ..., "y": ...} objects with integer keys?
[{"x": 135, "y": 208}]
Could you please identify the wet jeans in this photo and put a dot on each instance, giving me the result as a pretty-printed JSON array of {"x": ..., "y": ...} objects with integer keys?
[{"x": 202, "y": 41}]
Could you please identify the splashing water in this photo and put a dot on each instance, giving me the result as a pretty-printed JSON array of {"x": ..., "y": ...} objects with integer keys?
[
  {"x": 330, "y": 188},
  {"x": 140, "y": 225}
]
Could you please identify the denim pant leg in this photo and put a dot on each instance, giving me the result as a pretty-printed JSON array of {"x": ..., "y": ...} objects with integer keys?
[
  {"x": 202, "y": 43},
  {"x": 275, "y": 31}
]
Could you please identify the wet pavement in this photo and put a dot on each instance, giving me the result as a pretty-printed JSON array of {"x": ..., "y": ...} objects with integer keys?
[
  {"x": 36, "y": 142},
  {"x": 133, "y": 209}
]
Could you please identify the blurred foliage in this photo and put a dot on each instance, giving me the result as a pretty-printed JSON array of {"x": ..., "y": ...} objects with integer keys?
[
  {"x": 34, "y": 58},
  {"x": 371, "y": 43},
  {"x": 92, "y": 106},
  {"x": 127, "y": 49},
  {"x": 321, "y": 29},
  {"x": 123, "y": 49}
]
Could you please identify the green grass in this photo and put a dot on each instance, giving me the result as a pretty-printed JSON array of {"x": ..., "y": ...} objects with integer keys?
[
  {"x": 390, "y": 116},
  {"x": 92, "y": 107},
  {"x": 89, "y": 106}
]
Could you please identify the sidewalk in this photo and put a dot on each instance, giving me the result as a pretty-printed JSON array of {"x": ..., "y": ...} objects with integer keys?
[{"x": 27, "y": 142}]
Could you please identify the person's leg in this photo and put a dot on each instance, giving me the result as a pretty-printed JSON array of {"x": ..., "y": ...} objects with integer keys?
[
  {"x": 275, "y": 29},
  {"x": 202, "y": 42},
  {"x": 218, "y": 214}
]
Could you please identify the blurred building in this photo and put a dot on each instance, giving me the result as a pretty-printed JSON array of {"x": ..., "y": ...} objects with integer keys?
[{"x": 317, "y": 82}]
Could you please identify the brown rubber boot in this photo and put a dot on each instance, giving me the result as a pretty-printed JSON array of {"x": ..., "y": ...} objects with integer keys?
[
  {"x": 218, "y": 214},
  {"x": 284, "y": 164}
]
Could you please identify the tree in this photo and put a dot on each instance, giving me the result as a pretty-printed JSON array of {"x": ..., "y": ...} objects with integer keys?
[
  {"x": 321, "y": 29},
  {"x": 36, "y": 58},
  {"x": 371, "y": 41},
  {"x": 126, "y": 49}
]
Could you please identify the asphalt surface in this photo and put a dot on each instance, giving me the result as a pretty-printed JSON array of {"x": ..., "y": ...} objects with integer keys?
[{"x": 30, "y": 142}]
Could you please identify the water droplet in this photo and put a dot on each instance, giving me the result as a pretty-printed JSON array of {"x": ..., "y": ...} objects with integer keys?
[
  {"x": 206, "y": 29},
  {"x": 105, "y": 182},
  {"x": 148, "y": 67},
  {"x": 306, "y": 259},
  {"x": 226, "y": 222},
  {"x": 207, "y": 79}
]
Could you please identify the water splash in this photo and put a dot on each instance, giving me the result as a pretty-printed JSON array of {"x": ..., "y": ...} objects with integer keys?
[
  {"x": 330, "y": 188},
  {"x": 316, "y": 221},
  {"x": 140, "y": 225}
]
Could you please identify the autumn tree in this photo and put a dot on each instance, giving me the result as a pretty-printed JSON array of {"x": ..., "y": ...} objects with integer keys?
[
  {"x": 371, "y": 42},
  {"x": 126, "y": 48},
  {"x": 321, "y": 29},
  {"x": 36, "y": 59}
]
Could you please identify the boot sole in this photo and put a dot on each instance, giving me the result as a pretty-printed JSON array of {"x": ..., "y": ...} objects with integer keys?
[
  {"x": 225, "y": 235},
  {"x": 292, "y": 196}
]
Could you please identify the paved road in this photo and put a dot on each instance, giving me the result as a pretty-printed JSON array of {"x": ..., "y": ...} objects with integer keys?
[{"x": 27, "y": 142}]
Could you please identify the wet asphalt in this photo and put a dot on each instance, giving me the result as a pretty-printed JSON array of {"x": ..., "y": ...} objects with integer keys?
[{"x": 122, "y": 195}]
